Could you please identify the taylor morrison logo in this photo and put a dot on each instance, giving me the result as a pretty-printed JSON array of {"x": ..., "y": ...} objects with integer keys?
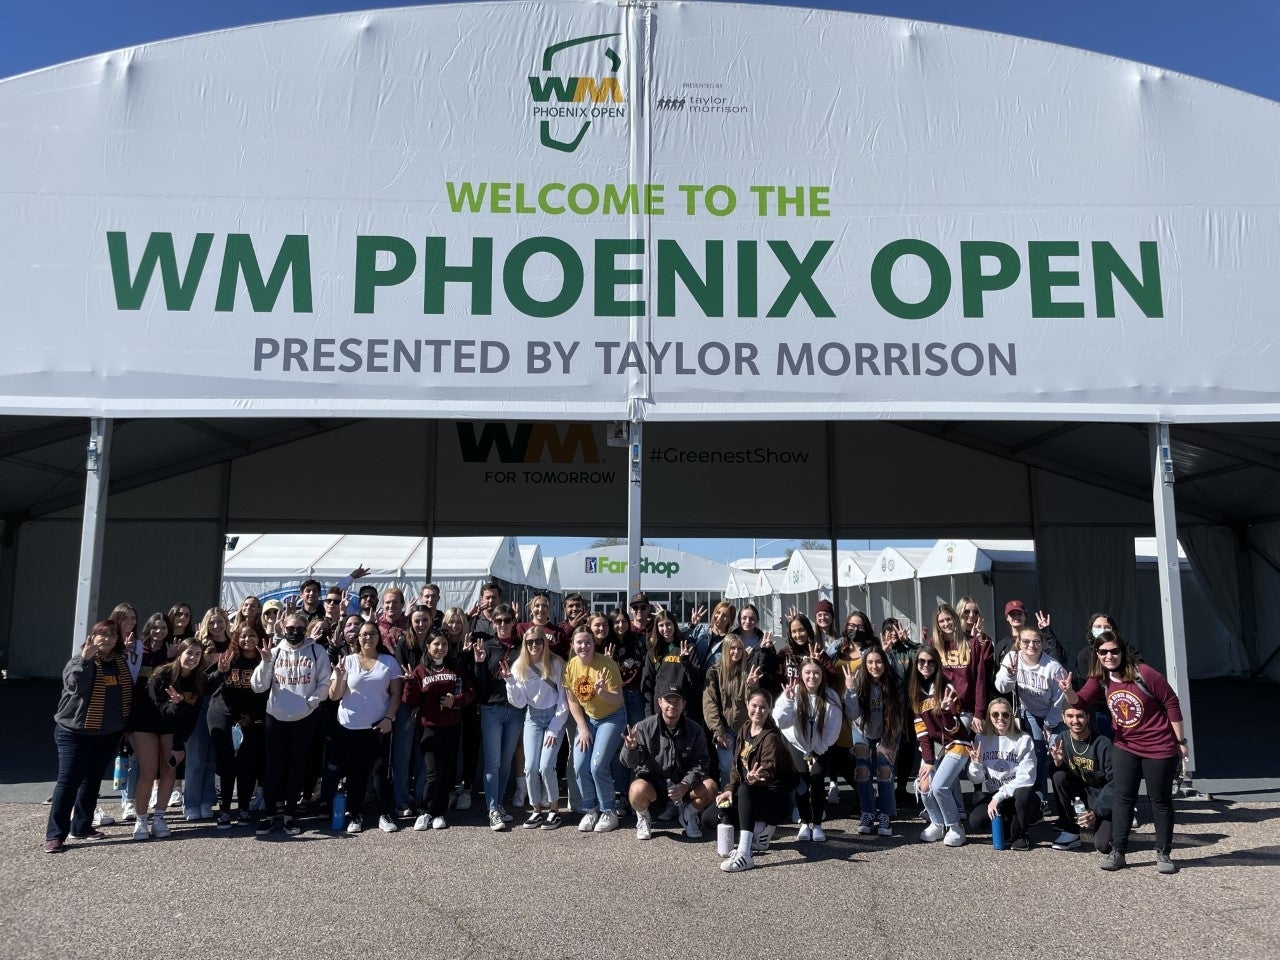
[{"x": 583, "y": 99}]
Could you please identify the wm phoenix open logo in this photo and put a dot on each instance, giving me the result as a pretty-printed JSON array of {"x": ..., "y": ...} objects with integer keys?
[{"x": 556, "y": 96}]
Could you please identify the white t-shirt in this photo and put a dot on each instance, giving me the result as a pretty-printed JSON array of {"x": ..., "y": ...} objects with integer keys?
[{"x": 368, "y": 697}]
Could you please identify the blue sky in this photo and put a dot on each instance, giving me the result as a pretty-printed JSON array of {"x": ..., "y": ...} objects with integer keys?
[{"x": 1232, "y": 44}]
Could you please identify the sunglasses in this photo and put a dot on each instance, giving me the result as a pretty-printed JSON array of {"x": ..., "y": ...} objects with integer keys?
[
  {"x": 999, "y": 716},
  {"x": 332, "y": 600},
  {"x": 501, "y": 620},
  {"x": 1108, "y": 651},
  {"x": 925, "y": 662}
]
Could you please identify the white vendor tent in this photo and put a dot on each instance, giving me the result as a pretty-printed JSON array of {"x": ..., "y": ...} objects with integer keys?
[{"x": 676, "y": 579}]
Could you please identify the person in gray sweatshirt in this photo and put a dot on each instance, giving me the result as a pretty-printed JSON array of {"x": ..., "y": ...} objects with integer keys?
[
  {"x": 1031, "y": 677},
  {"x": 295, "y": 676}
]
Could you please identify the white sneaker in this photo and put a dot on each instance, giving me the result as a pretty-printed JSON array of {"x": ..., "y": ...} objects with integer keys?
[
  {"x": 140, "y": 831},
  {"x": 817, "y": 834},
  {"x": 644, "y": 827},
  {"x": 760, "y": 841},
  {"x": 737, "y": 863},
  {"x": 865, "y": 823},
  {"x": 955, "y": 836},
  {"x": 387, "y": 825},
  {"x": 175, "y": 798},
  {"x": 933, "y": 833},
  {"x": 518, "y": 798},
  {"x": 422, "y": 823},
  {"x": 1066, "y": 841},
  {"x": 805, "y": 833},
  {"x": 690, "y": 821},
  {"x": 588, "y": 821},
  {"x": 607, "y": 822},
  {"x": 354, "y": 827},
  {"x": 103, "y": 819},
  {"x": 159, "y": 829},
  {"x": 833, "y": 795},
  {"x": 438, "y": 823},
  {"x": 127, "y": 810}
]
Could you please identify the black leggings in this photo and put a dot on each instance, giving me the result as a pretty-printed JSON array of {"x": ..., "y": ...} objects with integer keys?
[
  {"x": 755, "y": 804},
  {"x": 364, "y": 753},
  {"x": 1128, "y": 771},
  {"x": 287, "y": 742},
  {"x": 813, "y": 805},
  {"x": 1068, "y": 787},
  {"x": 239, "y": 771},
  {"x": 439, "y": 762},
  {"x": 1022, "y": 809}
]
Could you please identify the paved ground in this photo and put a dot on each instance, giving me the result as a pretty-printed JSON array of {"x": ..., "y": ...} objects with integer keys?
[{"x": 467, "y": 892}]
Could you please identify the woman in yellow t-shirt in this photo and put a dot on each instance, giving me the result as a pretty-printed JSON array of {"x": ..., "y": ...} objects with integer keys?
[{"x": 593, "y": 689}]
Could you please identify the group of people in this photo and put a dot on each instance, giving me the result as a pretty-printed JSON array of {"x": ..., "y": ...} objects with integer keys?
[{"x": 336, "y": 703}]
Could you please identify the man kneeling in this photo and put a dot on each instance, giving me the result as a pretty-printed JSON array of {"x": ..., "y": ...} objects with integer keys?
[
  {"x": 1082, "y": 783},
  {"x": 668, "y": 753}
]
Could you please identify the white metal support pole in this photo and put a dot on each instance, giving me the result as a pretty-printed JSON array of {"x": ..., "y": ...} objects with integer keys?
[
  {"x": 96, "y": 479},
  {"x": 639, "y": 20},
  {"x": 1175, "y": 637}
]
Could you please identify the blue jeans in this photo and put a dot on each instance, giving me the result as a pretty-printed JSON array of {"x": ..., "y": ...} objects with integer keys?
[
  {"x": 594, "y": 769},
  {"x": 500, "y": 728},
  {"x": 873, "y": 776},
  {"x": 943, "y": 799},
  {"x": 539, "y": 759},
  {"x": 82, "y": 760},
  {"x": 633, "y": 710},
  {"x": 198, "y": 790},
  {"x": 726, "y": 758},
  {"x": 406, "y": 759},
  {"x": 1035, "y": 727}
]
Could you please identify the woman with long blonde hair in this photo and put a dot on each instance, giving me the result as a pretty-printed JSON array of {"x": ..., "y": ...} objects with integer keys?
[{"x": 536, "y": 684}]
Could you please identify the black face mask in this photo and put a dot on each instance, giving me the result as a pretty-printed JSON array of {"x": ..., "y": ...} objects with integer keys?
[
  {"x": 860, "y": 636},
  {"x": 294, "y": 635}
]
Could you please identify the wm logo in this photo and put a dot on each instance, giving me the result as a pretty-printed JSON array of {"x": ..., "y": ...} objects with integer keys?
[
  {"x": 528, "y": 443},
  {"x": 560, "y": 89}
]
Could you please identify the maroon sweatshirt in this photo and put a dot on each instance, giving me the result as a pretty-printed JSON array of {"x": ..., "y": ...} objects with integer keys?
[
  {"x": 430, "y": 683},
  {"x": 968, "y": 673},
  {"x": 1141, "y": 720}
]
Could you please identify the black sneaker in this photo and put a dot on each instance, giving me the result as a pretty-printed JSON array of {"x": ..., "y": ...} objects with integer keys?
[
  {"x": 1021, "y": 844},
  {"x": 267, "y": 824},
  {"x": 224, "y": 822},
  {"x": 552, "y": 820},
  {"x": 291, "y": 826}
]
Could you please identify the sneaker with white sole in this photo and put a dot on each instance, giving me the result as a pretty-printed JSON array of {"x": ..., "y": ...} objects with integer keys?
[
  {"x": 805, "y": 833},
  {"x": 464, "y": 800},
  {"x": 552, "y": 821},
  {"x": 140, "y": 829},
  {"x": 689, "y": 819},
  {"x": 127, "y": 810},
  {"x": 738, "y": 862},
  {"x": 1066, "y": 840},
  {"x": 588, "y": 822},
  {"x": 292, "y": 827},
  {"x": 422, "y": 823},
  {"x": 387, "y": 825},
  {"x": 159, "y": 828},
  {"x": 955, "y": 836},
  {"x": 644, "y": 826},
  {"x": 817, "y": 834},
  {"x": 865, "y": 823},
  {"x": 607, "y": 822},
  {"x": 355, "y": 826},
  {"x": 520, "y": 796},
  {"x": 506, "y": 817},
  {"x": 224, "y": 822},
  {"x": 883, "y": 827},
  {"x": 438, "y": 823},
  {"x": 933, "y": 833},
  {"x": 761, "y": 839},
  {"x": 833, "y": 796},
  {"x": 103, "y": 819},
  {"x": 496, "y": 823},
  {"x": 534, "y": 821}
]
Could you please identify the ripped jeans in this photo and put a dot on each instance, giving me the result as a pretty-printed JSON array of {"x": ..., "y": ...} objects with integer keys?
[{"x": 873, "y": 776}]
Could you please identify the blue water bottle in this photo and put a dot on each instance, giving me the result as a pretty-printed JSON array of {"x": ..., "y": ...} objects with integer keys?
[
  {"x": 120, "y": 778},
  {"x": 998, "y": 840},
  {"x": 339, "y": 810}
]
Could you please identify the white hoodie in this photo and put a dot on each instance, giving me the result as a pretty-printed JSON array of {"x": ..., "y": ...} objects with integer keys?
[
  {"x": 807, "y": 739},
  {"x": 1037, "y": 684},
  {"x": 298, "y": 678},
  {"x": 1007, "y": 763},
  {"x": 541, "y": 694}
]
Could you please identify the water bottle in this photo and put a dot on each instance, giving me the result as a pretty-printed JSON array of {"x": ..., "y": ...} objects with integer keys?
[
  {"x": 724, "y": 832},
  {"x": 339, "y": 810},
  {"x": 121, "y": 777},
  {"x": 998, "y": 839},
  {"x": 1078, "y": 806}
]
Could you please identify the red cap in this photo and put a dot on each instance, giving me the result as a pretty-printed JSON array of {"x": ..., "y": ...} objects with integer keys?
[{"x": 1013, "y": 605}]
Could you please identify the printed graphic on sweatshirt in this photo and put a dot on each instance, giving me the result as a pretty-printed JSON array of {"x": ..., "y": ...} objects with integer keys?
[
  {"x": 300, "y": 672},
  {"x": 1126, "y": 709}
]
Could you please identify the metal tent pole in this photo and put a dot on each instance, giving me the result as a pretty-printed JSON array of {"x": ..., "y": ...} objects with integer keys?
[{"x": 96, "y": 480}]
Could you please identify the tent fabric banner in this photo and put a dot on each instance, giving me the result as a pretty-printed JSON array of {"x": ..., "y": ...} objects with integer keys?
[{"x": 559, "y": 210}]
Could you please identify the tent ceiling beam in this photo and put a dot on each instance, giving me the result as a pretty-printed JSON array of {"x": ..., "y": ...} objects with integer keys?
[
  {"x": 28, "y": 440},
  {"x": 1039, "y": 438},
  {"x": 1216, "y": 443}
]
